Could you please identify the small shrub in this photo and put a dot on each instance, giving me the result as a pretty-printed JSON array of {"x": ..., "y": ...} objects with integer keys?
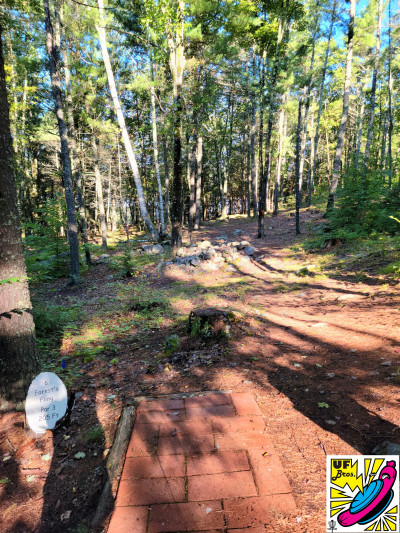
[
  {"x": 95, "y": 434},
  {"x": 50, "y": 320},
  {"x": 171, "y": 345}
]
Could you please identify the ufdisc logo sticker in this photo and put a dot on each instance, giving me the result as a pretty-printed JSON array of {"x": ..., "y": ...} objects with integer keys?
[{"x": 362, "y": 493}]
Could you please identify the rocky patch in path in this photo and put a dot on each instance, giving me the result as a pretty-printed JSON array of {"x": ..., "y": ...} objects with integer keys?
[{"x": 209, "y": 256}]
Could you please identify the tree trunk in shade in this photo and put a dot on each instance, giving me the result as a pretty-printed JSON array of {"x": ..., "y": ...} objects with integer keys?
[
  {"x": 345, "y": 111},
  {"x": 18, "y": 357},
  {"x": 53, "y": 50}
]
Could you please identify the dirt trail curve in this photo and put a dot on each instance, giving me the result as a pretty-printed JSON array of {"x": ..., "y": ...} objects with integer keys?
[{"x": 318, "y": 348}]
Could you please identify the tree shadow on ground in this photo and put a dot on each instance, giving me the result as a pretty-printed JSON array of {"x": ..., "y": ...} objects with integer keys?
[
  {"x": 65, "y": 474},
  {"x": 333, "y": 385}
]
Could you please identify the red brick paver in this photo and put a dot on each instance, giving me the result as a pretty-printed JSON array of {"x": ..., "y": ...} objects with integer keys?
[
  {"x": 129, "y": 519},
  {"x": 201, "y": 464},
  {"x": 186, "y": 517},
  {"x": 216, "y": 463},
  {"x": 155, "y": 466}
]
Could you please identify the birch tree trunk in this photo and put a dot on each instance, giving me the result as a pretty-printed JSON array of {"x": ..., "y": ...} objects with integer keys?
[
  {"x": 345, "y": 111},
  {"x": 18, "y": 357},
  {"x": 53, "y": 50},
  {"x": 121, "y": 122},
  {"x": 373, "y": 85}
]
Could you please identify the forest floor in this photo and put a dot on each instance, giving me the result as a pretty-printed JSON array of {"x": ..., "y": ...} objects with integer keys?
[{"x": 315, "y": 340}]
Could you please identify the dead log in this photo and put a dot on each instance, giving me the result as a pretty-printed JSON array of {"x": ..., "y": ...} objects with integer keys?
[{"x": 114, "y": 465}]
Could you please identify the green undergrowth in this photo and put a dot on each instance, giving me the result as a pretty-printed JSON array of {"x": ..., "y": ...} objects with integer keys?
[
  {"x": 131, "y": 262},
  {"x": 377, "y": 253}
]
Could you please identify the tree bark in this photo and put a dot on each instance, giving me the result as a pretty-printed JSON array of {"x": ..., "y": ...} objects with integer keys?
[
  {"x": 390, "y": 109},
  {"x": 253, "y": 158},
  {"x": 166, "y": 178},
  {"x": 53, "y": 50},
  {"x": 121, "y": 122},
  {"x": 298, "y": 157},
  {"x": 76, "y": 172},
  {"x": 18, "y": 357},
  {"x": 156, "y": 161},
  {"x": 361, "y": 121},
  {"x": 192, "y": 179},
  {"x": 271, "y": 101},
  {"x": 373, "y": 86},
  {"x": 320, "y": 104},
  {"x": 199, "y": 179},
  {"x": 345, "y": 111},
  {"x": 177, "y": 64},
  {"x": 99, "y": 191},
  {"x": 281, "y": 141}
]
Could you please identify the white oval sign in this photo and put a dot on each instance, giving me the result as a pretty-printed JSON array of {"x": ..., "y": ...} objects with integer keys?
[{"x": 46, "y": 402}]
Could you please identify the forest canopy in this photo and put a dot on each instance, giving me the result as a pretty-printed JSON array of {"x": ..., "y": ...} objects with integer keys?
[{"x": 153, "y": 113}]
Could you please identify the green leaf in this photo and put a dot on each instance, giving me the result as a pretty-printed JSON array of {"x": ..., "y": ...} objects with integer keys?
[{"x": 323, "y": 405}]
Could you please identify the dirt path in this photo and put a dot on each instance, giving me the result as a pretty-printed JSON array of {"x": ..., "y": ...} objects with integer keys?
[{"x": 318, "y": 348}]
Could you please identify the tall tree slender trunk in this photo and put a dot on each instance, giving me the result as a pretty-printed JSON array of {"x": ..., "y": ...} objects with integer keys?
[
  {"x": 192, "y": 181},
  {"x": 281, "y": 141},
  {"x": 307, "y": 93},
  {"x": 320, "y": 104},
  {"x": 345, "y": 111},
  {"x": 76, "y": 172},
  {"x": 361, "y": 120},
  {"x": 247, "y": 140},
  {"x": 124, "y": 214},
  {"x": 114, "y": 208},
  {"x": 156, "y": 161},
  {"x": 166, "y": 178},
  {"x": 18, "y": 357},
  {"x": 253, "y": 158},
  {"x": 271, "y": 110},
  {"x": 261, "y": 125},
  {"x": 389, "y": 170},
  {"x": 99, "y": 191},
  {"x": 298, "y": 157},
  {"x": 309, "y": 184},
  {"x": 121, "y": 122},
  {"x": 175, "y": 38},
  {"x": 53, "y": 50},
  {"x": 227, "y": 158},
  {"x": 373, "y": 85},
  {"x": 199, "y": 177}
]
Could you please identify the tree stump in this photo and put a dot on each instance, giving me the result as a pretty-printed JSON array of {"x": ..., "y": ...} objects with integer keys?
[{"x": 210, "y": 322}]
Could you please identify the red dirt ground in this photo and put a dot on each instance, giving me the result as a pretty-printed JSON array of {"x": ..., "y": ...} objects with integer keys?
[{"x": 297, "y": 341}]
